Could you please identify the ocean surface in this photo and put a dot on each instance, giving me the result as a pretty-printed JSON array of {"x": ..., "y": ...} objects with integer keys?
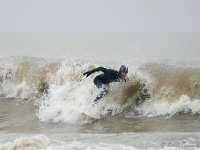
[{"x": 43, "y": 92}]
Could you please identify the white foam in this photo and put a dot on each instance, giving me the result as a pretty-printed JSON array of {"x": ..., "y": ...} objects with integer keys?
[
  {"x": 131, "y": 141},
  {"x": 24, "y": 143},
  {"x": 42, "y": 142},
  {"x": 21, "y": 90},
  {"x": 162, "y": 107},
  {"x": 67, "y": 94}
]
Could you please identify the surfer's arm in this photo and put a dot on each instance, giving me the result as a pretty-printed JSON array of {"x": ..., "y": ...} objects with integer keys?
[{"x": 88, "y": 73}]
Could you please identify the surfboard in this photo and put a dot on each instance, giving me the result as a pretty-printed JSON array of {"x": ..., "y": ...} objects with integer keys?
[{"x": 91, "y": 115}]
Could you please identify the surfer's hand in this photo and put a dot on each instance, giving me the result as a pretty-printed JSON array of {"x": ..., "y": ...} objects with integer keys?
[{"x": 88, "y": 73}]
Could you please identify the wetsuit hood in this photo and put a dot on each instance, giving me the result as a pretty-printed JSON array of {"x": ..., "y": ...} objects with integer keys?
[{"x": 123, "y": 68}]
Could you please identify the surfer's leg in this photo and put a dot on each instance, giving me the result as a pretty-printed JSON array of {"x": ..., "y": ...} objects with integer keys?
[
  {"x": 98, "y": 82},
  {"x": 99, "y": 85},
  {"x": 103, "y": 89},
  {"x": 103, "y": 92}
]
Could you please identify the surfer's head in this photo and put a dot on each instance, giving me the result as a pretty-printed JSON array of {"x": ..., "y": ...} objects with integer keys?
[{"x": 123, "y": 70}]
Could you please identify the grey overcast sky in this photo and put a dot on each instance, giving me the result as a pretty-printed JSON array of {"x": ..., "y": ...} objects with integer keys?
[{"x": 100, "y": 16}]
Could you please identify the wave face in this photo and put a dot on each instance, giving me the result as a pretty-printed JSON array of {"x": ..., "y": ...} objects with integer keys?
[
  {"x": 173, "y": 89},
  {"x": 60, "y": 93}
]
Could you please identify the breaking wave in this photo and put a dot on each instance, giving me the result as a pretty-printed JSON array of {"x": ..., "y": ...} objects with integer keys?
[{"x": 60, "y": 93}]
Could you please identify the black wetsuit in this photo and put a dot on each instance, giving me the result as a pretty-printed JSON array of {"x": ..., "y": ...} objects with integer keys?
[
  {"x": 101, "y": 80},
  {"x": 108, "y": 76}
]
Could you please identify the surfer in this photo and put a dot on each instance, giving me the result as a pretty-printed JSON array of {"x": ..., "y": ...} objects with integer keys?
[{"x": 109, "y": 75}]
